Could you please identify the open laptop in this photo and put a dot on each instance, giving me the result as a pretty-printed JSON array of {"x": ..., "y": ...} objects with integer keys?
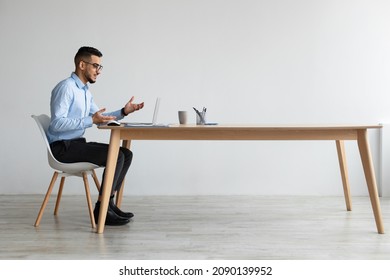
[{"x": 154, "y": 119}]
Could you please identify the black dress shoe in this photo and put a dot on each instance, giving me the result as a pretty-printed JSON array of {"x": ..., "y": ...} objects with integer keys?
[
  {"x": 119, "y": 212},
  {"x": 112, "y": 219}
]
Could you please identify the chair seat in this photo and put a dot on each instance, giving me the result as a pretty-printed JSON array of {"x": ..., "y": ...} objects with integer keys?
[{"x": 72, "y": 168}]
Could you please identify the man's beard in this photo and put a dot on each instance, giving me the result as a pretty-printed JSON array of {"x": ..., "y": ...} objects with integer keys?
[{"x": 90, "y": 80}]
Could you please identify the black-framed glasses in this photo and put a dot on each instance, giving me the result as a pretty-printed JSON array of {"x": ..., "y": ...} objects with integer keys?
[{"x": 97, "y": 66}]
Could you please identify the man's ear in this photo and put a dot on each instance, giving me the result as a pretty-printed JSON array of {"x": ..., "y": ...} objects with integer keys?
[{"x": 82, "y": 65}]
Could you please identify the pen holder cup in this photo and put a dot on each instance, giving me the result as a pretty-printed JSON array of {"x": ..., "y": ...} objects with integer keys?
[{"x": 201, "y": 120}]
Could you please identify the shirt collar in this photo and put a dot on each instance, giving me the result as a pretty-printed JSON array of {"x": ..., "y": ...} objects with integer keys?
[{"x": 79, "y": 83}]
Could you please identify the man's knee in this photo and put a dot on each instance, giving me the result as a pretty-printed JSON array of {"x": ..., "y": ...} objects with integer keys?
[{"x": 125, "y": 154}]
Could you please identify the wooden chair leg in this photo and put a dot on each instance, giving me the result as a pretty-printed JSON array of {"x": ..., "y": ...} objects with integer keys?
[
  {"x": 59, "y": 196},
  {"x": 47, "y": 196},
  {"x": 95, "y": 178},
  {"x": 88, "y": 194}
]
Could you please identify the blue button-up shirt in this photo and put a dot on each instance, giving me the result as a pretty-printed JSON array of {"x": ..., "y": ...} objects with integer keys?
[{"x": 72, "y": 107}]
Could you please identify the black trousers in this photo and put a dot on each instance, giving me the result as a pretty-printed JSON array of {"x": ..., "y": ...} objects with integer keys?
[{"x": 78, "y": 150}]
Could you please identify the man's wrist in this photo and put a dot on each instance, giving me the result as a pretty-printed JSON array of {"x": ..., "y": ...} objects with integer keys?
[{"x": 123, "y": 112}]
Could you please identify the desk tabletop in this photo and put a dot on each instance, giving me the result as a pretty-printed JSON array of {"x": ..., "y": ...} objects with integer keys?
[
  {"x": 241, "y": 132},
  {"x": 250, "y": 126}
]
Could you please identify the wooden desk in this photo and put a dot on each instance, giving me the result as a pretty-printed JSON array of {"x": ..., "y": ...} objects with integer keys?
[{"x": 249, "y": 132}]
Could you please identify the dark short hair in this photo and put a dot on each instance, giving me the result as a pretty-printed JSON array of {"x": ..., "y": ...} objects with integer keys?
[{"x": 86, "y": 53}]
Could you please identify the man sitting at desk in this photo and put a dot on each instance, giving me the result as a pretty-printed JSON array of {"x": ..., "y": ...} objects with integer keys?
[{"x": 72, "y": 111}]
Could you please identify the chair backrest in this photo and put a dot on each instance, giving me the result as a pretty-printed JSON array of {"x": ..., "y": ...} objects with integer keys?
[{"x": 43, "y": 122}]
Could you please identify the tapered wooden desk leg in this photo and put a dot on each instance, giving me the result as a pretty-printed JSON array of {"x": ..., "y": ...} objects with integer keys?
[
  {"x": 108, "y": 177},
  {"x": 344, "y": 173},
  {"x": 368, "y": 167},
  {"x": 119, "y": 195}
]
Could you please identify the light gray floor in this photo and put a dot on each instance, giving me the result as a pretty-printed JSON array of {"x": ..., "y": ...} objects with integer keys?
[{"x": 199, "y": 227}]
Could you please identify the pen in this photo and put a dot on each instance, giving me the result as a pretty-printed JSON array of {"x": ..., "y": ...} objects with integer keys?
[{"x": 199, "y": 114}]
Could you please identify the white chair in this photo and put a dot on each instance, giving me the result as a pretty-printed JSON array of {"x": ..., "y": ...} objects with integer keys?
[{"x": 80, "y": 169}]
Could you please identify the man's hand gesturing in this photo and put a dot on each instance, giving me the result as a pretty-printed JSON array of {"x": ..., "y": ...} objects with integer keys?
[
  {"x": 130, "y": 107},
  {"x": 98, "y": 118}
]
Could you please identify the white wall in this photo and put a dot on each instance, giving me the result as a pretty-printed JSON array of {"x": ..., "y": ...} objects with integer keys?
[{"x": 248, "y": 61}]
